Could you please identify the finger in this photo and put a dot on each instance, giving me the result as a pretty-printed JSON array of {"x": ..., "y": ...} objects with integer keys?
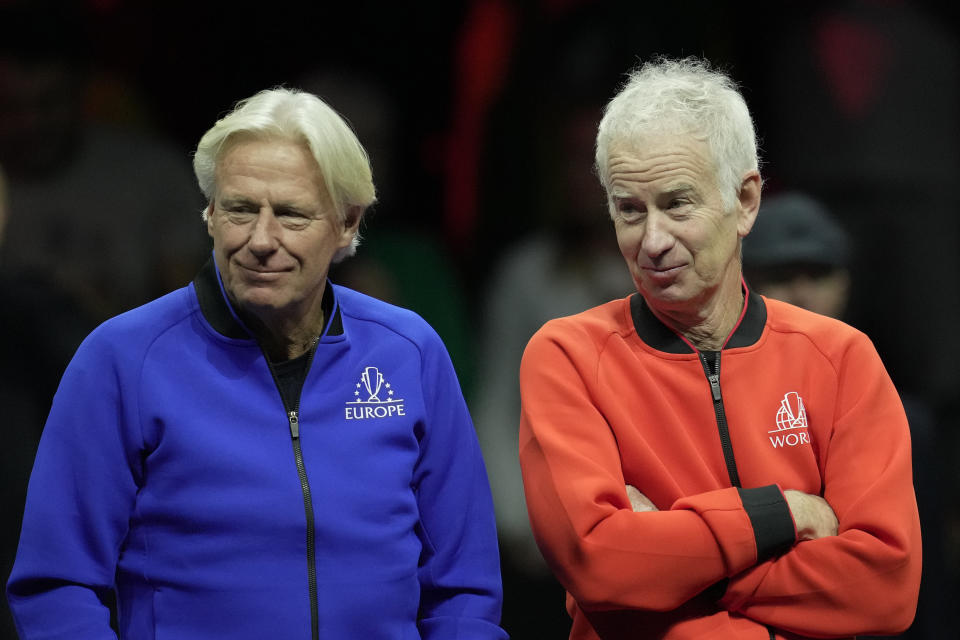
[{"x": 638, "y": 501}]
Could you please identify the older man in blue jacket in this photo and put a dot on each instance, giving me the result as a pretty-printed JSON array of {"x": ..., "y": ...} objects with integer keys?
[{"x": 262, "y": 453}]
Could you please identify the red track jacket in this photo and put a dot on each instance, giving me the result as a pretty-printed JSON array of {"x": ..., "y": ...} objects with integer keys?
[{"x": 613, "y": 397}]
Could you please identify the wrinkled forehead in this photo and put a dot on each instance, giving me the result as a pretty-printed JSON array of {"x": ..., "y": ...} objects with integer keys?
[
  {"x": 295, "y": 158},
  {"x": 642, "y": 142},
  {"x": 238, "y": 138},
  {"x": 653, "y": 148},
  {"x": 244, "y": 138},
  {"x": 661, "y": 133}
]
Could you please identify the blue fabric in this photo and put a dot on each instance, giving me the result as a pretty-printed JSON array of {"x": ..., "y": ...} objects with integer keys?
[{"x": 167, "y": 462}]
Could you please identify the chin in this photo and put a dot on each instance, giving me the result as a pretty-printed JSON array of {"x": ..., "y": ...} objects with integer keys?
[
  {"x": 672, "y": 293},
  {"x": 259, "y": 301}
]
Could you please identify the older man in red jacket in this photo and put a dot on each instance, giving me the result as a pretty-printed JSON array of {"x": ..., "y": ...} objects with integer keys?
[{"x": 699, "y": 461}]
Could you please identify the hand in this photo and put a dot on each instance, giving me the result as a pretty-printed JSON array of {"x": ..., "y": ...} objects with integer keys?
[
  {"x": 813, "y": 516},
  {"x": 638, "y": 501}
]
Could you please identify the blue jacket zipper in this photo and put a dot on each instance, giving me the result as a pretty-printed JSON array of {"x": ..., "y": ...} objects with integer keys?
[{"x": 293, "y": 419}]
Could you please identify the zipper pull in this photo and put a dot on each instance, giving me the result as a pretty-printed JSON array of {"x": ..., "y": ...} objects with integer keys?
[
  {"x": 715, "y": 386},
  {"x": 714, "y": 377},
  {"x": 294, "y": 424}
]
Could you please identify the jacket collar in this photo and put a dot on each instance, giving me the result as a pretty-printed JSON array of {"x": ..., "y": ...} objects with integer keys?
[
  {"x": 662, "y": 338},
  {"x": 219, "y": 313}
]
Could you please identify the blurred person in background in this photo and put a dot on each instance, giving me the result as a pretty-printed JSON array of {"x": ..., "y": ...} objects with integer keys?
[
  {"x": 861, "y": 100},
  {"x": 41, "y": 325},
  {"x": 100, "y": 217},
  {"x": 263, "y": 453},
  {"x": 104, "y": 209},
  {"x": 798, "y": 252}
]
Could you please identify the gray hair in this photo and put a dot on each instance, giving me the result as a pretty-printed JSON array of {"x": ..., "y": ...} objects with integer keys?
[
  {"x": 683, "y": 97},
  {"x": 301, "y": 117}
]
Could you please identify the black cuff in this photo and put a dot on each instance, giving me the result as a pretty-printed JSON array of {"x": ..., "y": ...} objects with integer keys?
[
  {"x": 773, "y": 527},
  {"x": 716, "y": 591}
]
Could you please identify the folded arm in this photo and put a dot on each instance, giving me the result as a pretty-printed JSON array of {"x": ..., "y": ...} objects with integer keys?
[
  {"x": 865, "y": 579},
  {"x": 606, "y": 555}
]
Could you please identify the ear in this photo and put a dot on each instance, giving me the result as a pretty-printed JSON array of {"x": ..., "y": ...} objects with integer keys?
[
  {"x": 351, "y": 222},
  {"x": 209, "y": 214},
  {"x": 748, "y": 199}
]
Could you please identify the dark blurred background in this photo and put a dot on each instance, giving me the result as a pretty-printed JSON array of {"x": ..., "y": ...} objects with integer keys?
[{"x": 479, "y": 117}]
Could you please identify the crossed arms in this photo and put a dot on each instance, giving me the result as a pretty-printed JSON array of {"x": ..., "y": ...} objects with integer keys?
[{"x": 849, "y": 563}]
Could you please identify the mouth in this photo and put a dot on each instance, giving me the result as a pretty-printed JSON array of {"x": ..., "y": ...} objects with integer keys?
[
  {"x": 663, "y": 274},
  {"x": 262, "y": 273},
  {"x": 658, "y": 270}
]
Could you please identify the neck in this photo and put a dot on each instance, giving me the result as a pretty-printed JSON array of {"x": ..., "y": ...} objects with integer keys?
[
  {"x": 284, "y": 338},
  {"x": 280, "y": 348},
  {"x": 708, "y": 325}
]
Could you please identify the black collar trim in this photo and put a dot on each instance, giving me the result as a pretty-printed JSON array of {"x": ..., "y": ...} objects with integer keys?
[
  {"x": 218, "y": 312},
  {"x": 662, "y": 338}
]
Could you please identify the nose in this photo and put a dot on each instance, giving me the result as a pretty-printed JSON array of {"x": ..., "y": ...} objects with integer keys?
[
  {"x": 264, "y": 234},
  {"x": 657, "y": 238}
]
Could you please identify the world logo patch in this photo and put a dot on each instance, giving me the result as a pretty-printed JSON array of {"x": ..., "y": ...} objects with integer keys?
[{"x": 791, "y": 423}]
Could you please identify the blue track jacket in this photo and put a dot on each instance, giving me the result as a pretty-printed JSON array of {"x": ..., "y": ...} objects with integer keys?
[{"x": 171, "y": 471}]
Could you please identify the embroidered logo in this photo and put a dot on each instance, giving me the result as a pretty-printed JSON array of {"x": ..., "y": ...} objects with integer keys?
[
  {"x": 791, "y": 422},
  {"x": 367, "y": 402}
]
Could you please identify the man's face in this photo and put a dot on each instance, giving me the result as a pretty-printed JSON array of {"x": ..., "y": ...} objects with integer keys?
[
  {"x": 679, "y": 241},
  {"x": 274, "y": 229}
]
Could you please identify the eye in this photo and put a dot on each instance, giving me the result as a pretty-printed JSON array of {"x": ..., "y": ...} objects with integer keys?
[
  {"x": 678, "y": 200},
  {"x": 292, "y": 218},
  {"x": 630, "y": 212},
  {"x": 240, "y": 213},
  {"x": 290, "y": 212},
  {"x": 679, "y": 207}
]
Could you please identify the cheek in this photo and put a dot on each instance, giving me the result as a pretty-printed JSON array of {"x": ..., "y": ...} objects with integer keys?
[
  {"x": 227, "y": 238},
  {"x": 216, "y": 233},
  {"x": 628, "y": 240},
  {"x": 712, "y": 250}
]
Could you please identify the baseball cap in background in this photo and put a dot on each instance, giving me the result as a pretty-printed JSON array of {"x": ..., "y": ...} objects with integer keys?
[{"x": 792, "y": 229}]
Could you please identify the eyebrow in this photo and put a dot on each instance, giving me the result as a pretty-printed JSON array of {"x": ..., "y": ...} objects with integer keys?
[
  {"x": 680, "y": 189},
  {"x": 676, "y": 190},
  {"x": 292, "y": 208},
  {"x": 620, "y": 194},
  {"x": 237, "y": 200}
]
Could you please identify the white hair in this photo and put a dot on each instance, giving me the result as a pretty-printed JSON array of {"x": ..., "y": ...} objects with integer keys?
[
  {"x": 683, "y": 97},
  {"x": 301, "y": 117}
]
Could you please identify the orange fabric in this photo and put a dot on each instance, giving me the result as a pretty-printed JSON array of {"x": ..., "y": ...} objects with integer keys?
[{"x": 601, "y": 409}]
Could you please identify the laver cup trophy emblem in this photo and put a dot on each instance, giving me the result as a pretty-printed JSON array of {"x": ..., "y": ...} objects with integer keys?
[{"x": 372, "y": 381}]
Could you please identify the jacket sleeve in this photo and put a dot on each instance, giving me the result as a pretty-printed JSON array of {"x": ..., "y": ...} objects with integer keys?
[
  {"x": 461, "y": 592},
  {"x": 604, "y": 554},
  {"x": 866, "y": 579},
  {"x": 78, "y": 506}
]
